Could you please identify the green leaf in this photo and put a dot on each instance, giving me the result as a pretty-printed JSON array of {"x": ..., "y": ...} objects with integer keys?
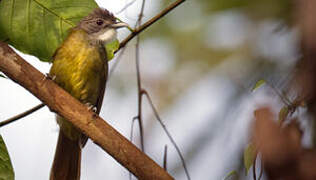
[
  {"x": 283, "y": 113},
  {"x": 6, "y": 169},
  {"x": 111, "y": 48},
  {"x": 258, "y": 84},
  {"x": 231, "y": 174},
  {"x": 249, "y": 156},
  {"x": 38, "y": 27}
]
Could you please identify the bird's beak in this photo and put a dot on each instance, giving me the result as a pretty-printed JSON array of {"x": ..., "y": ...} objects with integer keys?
[{"x": 119, "y": 25}]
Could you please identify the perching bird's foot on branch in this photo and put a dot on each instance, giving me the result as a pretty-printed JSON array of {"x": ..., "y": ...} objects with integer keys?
[
  {"x": 49, "y": 76},
  {"x": 91, "y": 107}
]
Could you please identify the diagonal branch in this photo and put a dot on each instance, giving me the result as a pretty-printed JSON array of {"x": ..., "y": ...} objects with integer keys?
[{"x": 59, "y": 101}]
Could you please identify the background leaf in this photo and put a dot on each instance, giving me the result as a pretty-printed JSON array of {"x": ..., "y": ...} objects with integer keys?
[
  {"x": 249, "y": 156},
  {"x": 231, "y": 174},
  {"x": 6, "y": 169},
  {"x": 37, "y": 27},
  {"x": 283, "y": 113},
  {"x": 258, "y": 84}
]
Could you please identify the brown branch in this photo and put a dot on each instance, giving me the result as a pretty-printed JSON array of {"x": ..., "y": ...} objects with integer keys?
[
  {"x": 149, "y": 23},
  {"x": 59, "y": 101},
  {"x": 19, "y": 116}
]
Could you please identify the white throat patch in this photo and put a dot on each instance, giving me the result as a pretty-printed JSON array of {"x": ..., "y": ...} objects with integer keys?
[{"x": 107, "y": 35}]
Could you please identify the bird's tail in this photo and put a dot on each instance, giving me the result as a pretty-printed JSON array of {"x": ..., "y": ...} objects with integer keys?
[{"x": 66, "y": 165}]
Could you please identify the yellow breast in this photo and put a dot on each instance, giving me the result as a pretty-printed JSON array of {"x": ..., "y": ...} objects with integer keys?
[{"x": 79, "y": 67}]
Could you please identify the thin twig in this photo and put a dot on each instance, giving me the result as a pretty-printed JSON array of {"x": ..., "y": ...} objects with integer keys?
[
  {"x": 165, "y": 158},
  {"x": 19, "y": 116},
  {"x": 131, "y": 139},
  {"x": 168, "y": 133},
  {"x": 149, "y": 22},
  {"x": 132, "y": 128},
  {"x": 139, "y": 85},
  {"x": 283, "y": 98},
  {"x": 127, "y": 5}
]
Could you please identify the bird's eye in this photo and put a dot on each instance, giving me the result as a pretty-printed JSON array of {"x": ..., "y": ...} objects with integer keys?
[{"x": 99, "y": 22}]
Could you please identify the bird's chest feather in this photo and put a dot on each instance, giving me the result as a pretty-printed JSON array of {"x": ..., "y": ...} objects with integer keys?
[{"x": 79, "y": 68}]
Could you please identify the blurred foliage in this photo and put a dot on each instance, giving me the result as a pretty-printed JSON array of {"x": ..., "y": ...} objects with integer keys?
[
  {"x": 6, "y": 169},
  {"x": 231, "y": 175},
  {"x": 249, "y": 156},
  {"x": 187, "y": 30},
  {"x": 259, "y": 84},
  {"x": 190, "y": 44},
  {"x": 258, "y": 9},
  {"x": 283, "y": 114}
]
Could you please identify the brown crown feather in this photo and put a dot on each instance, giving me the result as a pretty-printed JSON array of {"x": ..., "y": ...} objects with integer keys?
[{"x": 102, "y": 13}]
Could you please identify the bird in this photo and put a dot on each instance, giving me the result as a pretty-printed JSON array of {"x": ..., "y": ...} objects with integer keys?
[{"x": 80, "y": 66}]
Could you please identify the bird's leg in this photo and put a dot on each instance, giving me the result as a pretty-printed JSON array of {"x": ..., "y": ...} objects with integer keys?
[{"x": 50, "y": 77}]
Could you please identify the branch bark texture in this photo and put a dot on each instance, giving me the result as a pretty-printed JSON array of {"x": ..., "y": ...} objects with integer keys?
[{"x": 59, "y": 101}]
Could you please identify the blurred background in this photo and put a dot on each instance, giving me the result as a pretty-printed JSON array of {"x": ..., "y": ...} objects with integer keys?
[{"x": 199, "y": 64}]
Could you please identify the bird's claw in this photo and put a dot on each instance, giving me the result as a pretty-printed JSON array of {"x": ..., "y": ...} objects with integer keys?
[
  {"x": 50, "y": 77},
  {"x": 91, "y": 107}
]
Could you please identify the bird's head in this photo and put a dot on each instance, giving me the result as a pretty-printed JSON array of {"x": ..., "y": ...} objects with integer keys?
[{"x": 101, "y": 25}]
